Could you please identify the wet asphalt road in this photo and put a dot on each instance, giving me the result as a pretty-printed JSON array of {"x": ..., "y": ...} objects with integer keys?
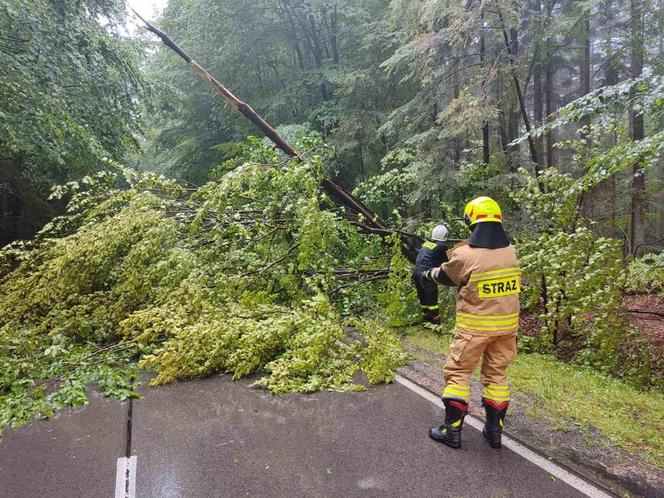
[{"x": 214, "y": 437}]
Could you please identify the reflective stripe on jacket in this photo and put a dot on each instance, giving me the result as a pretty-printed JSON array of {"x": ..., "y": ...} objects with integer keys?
[
  {"x": 430, "y": 255},
  {"x": 488, "y": 282}
]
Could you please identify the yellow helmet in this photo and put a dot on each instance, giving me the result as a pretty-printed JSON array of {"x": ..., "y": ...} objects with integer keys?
[{"x": 482, "y": 209}]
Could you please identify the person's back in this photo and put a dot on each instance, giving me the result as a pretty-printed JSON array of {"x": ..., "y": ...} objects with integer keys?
[
  {"x": 485, "y": 271},
  {"x": 489, "y": 284},
  {"x": 432, "y": 254}
]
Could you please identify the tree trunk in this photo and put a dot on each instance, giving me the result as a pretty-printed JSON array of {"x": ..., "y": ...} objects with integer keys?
[
  {"x": 513, "y": 113},
  {"x": 584, "y": 83},
  {"x": 538, "y": 106},
  {"x": 510, "y": 44},
  {"x": 360, "y": 155},
  {"x": 456, "y": 93},
  {"x": 317, "y": 50},
  {"x": 502, "y": 122},
  {"x": 315, "y": 42},
  {"x": 295, "y": 43},
  {"x": 588, "y": 198},
  {"x": 486, "y": 152},
  {"x": 638, "y": 181},
  {"x": 549, "y": 104},
  {"x": 549, "y": 90},
  {"x": 608, "y": 186},
  {"x": 333, "y": 35}
]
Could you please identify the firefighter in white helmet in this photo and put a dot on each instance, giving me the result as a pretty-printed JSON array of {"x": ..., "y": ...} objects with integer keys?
[
  {"x": 486, "y": 273},
  {"x": 432, "y": 254}
]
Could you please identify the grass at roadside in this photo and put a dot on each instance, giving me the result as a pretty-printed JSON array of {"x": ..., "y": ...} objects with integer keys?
[
  {"x": 419, "y": 337},
  {"x": 566, "y": 393}
]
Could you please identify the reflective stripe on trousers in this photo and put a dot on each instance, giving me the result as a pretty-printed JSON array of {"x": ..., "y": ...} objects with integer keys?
[{"x": 487, "y": 323}]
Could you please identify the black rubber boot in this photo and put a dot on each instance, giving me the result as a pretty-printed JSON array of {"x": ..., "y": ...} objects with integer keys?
[
  {"x": 495, "y": 421},
  {"x": 435, "y": 319},
  {"x": 450, "y": 432}
]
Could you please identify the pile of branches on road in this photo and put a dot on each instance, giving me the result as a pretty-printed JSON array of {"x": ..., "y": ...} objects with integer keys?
[{"x": 251, "y": 273}]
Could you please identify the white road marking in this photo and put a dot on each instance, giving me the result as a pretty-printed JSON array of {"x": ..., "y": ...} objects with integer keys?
[
  {"x": 125, "y": 478},
  {"x": 131, "y": 477},
  {"x": 546, "y": 465},
  {"x": 121, "y": 478}
]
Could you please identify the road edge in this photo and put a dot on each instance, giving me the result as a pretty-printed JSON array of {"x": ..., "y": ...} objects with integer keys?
[{"x": 581, "y": 483}]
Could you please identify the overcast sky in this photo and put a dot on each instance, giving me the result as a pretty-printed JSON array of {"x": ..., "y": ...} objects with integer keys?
[{"x": 149, "y": 9}]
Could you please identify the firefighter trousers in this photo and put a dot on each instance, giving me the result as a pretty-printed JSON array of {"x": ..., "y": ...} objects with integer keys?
[
  {"x": 427, "y": 292},
  {"x": 496, "y": 353}
]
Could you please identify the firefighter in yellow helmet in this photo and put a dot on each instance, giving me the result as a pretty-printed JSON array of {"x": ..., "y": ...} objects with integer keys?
[{"x": 486, "y": 273}]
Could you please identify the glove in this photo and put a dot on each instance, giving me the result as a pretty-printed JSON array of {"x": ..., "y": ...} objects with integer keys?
[{"x": 431, "y": 274}]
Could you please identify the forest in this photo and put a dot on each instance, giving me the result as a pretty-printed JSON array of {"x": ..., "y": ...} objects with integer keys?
[{"x": 146, "y": 224}]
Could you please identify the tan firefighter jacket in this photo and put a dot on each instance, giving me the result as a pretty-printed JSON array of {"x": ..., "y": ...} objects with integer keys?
[{"x": 488, "y": 283}]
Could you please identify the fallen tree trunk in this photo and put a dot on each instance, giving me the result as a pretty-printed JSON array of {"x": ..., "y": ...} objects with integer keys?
[{"x": 371, "y": 223}]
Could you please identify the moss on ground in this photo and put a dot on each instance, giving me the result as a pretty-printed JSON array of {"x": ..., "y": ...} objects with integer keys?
[{"x": 628, "y": 417}]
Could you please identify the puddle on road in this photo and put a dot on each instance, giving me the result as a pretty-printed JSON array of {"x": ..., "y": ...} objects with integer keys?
[{"x": 367, "y": 483}]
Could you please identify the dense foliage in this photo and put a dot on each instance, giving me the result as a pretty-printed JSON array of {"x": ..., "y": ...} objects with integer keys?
[
  {"x": 577, "y": 276},
  {"x": 410, "y": 93},
  {"x": 243, "y": 265},
  {"x": 234, "y": 277},
  {"x": 71, "y": 93}
]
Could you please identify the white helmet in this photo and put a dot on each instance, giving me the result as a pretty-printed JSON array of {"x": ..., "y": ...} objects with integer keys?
[{"x": 439, "y": 233}]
